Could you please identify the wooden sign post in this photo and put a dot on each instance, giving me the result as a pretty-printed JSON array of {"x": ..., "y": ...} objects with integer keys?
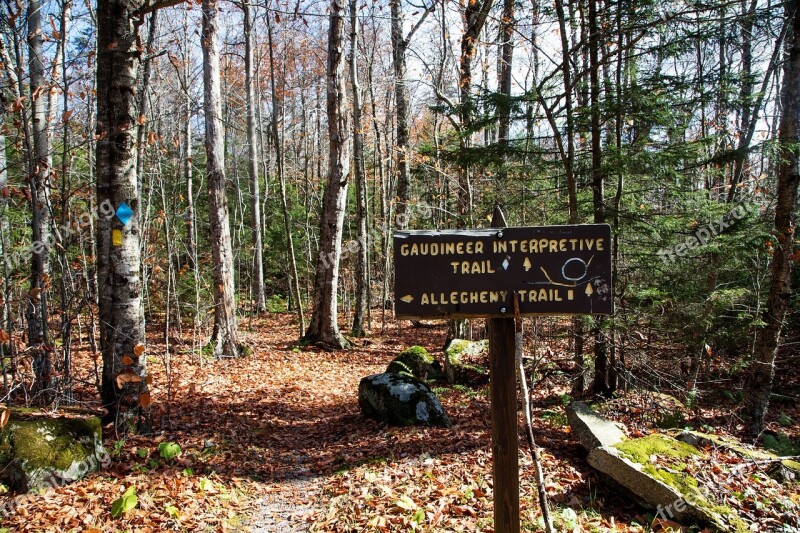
[
  {"x": 551, "y": 270},
  {"x": 503, "y": 392}
]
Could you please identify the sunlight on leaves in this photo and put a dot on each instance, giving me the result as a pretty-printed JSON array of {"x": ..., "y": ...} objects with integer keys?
[
  {"x": 124, "y": 503},
  {"x": 169, "y": 450}
]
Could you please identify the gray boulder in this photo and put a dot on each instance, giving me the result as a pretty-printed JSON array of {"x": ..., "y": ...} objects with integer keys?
[
  {"x": 400, "y": 400},
  {"x": 591, "y": 429},
  {"x": 458, "y": 367},
  {"x": 40, "y": 452}
]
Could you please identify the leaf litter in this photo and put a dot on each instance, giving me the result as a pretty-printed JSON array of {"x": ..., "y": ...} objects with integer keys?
[{"x": 276, "y": 442}]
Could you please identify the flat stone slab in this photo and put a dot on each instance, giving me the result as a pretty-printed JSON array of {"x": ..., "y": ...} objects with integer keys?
[
  {"x": 649, "y": 490},
  {"x": 683, "y": 506},
  {"x": 591, "y": 429}
]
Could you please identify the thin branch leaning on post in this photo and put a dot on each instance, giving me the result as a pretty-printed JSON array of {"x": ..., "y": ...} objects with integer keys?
[{"x": 526, "y": 405}]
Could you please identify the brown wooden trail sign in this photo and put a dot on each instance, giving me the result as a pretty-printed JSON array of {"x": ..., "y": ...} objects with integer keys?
[
  {"x": 549, "y": 270},
  {"x": 554, "y": 270}
]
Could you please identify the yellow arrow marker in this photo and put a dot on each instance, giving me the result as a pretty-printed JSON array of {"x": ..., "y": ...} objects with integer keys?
[
  {"x": 527, "y": 264},
  {"x": 589, "y": 290},
  {"x": 407, "y": 298}
]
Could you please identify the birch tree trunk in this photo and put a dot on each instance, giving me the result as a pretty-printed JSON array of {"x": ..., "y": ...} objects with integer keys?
[
  {"x": 324, "y": 328},
  {"x": 39, "y": 183},
  {"x": 5, "y": 306},
  {"x": 225, "y": 337},
  {"x": 758, "y": 385},
  {"x": 122, "y": 334},
  {"x": 361, "y": 297},
  {"x": 252, "y": 164}
]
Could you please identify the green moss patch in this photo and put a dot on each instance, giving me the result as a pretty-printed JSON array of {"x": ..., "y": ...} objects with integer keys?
[
  {"x": 665, "y": 459},
  {"x": 34, "y": 450},
  {"x": 794, "y": 465},
  {"x": 641, "y": 450},
  {"x": 417, "y": 362}
]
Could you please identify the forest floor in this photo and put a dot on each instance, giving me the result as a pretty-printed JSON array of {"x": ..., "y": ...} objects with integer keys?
[{"x": 275, "y": 442}]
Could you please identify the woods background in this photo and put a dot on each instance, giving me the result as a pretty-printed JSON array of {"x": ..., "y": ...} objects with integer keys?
[{"x": 267, "y": 151}]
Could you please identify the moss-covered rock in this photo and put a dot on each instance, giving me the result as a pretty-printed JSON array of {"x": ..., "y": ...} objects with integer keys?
[
  {"x": 460, "y": 364},
  {"x": 38, "y": 451},
  {"x": 655, "y": 469},
  {"x": 698, "y": 438},
  {"x": 400, "y": 400},
  {"x": 417, "y": 362}
]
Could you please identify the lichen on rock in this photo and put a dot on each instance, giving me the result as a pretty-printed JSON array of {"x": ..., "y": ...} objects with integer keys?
[{"x": 400, "y": 400}]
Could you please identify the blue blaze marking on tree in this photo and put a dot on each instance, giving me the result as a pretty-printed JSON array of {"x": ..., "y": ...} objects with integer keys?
[{"x": 124, "y": 213}]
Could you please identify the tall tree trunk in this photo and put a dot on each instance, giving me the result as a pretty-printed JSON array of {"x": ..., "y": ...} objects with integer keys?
[
  {"x": 65, "y": 271},
  {"x": 362, "y": 304},
  {"x": 475, "y": 15},
  {"x": 141, "y": 151},
  {"x": 621, "y": 83},
  {"x": 294, "y": 280},
  {"x": 601, "y": 385},
  {"x": 36, "y": 312},
  {"x": 5, "y": 305},
  {"x": 188, "y": 176},
  {"x": 252, "y": 166},
  {"x": 122, "y": 332},
  {"x": 567, "y": 152},
  {"x": 225, "y": 337},
  {"x": 324, "y": 328},
  {"x": 507, "y": 24},
  {"x": 758, "y": 386},
  {"x": 399, "y": 44}
]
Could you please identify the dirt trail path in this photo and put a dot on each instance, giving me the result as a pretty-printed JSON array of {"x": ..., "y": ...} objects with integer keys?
[{"x": 288, "y": 420}]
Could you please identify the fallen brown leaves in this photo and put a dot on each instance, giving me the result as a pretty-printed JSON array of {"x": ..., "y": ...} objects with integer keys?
[{"x": 277, "y": 438}]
